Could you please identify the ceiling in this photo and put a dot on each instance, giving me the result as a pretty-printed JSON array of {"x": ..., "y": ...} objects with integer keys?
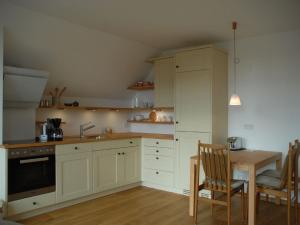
[{"x": 166, "y": 24}]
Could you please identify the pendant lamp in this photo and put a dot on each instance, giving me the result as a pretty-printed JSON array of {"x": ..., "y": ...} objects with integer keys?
[{"x": 234, "y": 99}]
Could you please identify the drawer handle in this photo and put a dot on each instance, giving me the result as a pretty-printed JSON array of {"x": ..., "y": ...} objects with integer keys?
[
  {"x": 123, "y": 153},
  {"x": 34, "y": 203},
  {"x": 176, "y": 139},
  {"x": 157, "y": 172},
  {"x": 131, "y": 142},
  {"x": 76, "y": 148},
  {"x": 119, "y": 153},
  {"x": 157, "y": 151},
  {"x": 177, "y": 66},
  {"x": 157, "y": 158},
  {"x": 177, "y": 122},
  {"x": 157, "y": 143}
]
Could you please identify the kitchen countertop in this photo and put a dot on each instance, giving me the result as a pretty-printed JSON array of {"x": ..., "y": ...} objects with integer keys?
[{"x": 87, "y": 139}]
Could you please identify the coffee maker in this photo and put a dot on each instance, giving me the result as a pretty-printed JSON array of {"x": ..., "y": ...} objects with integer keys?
[{"x": 54, "y": 132}]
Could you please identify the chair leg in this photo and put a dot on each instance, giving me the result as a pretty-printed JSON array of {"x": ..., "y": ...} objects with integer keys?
[
  {"x": 289, "y": 208},
  {"x": 196, "y": 194},
  {"x": 257, "y": 202},
  {"x": 229, "y": 208},
  {"x": 212, "y": 204},
  {"x": 243, "y": 202},
  {"x": 296, "y": 202}
]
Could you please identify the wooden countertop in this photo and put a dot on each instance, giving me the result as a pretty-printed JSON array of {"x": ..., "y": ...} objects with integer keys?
[{"x": 107, "y": 137}]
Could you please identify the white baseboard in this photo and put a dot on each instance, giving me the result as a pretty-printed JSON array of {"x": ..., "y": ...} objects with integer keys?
[
  {"x": 162, "y": 188},
  {"x": 71, "y": 202}
]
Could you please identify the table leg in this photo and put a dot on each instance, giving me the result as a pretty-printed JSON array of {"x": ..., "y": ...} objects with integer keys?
[
  {"x": 252, "y": 196},
  {"x": 192, "y": 187}
]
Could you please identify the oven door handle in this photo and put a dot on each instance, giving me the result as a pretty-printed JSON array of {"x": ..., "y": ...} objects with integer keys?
[{"x": 26, "y": 161}]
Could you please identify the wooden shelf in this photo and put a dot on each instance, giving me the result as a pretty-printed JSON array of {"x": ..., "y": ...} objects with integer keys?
[
  {"x": 141, "y": 88},
  {"x": 151, "y": 122},
  {"x": 42, "y": 122},
  {"x": 171, "y": 109}
]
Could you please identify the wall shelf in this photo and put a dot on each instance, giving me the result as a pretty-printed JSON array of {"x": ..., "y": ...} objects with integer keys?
[
  {"x": 150, "y": 122},
  {"x": 89, "y": 108},
  {"x": 141, "y": 88}
]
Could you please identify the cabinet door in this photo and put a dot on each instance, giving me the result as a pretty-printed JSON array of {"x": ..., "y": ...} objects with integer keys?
[
  {"x": 164, "y": 71},
  {"x": 193, "y": 101},
  {"x": 132, "y": 165},
  {"x": 187, "y": 146},
  {"x": 196, "y": 59},
  {"x": 105, "y": 170},
  {"x": 73, "y": 176}
]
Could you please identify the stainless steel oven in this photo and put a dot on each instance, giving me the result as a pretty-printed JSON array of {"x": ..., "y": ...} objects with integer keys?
[{"x": 31, "y": 172}]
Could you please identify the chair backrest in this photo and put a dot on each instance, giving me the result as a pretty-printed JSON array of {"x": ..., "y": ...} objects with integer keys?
[
  {"x": 288, "y": 170},
  {"x": 216, "y": 165}
]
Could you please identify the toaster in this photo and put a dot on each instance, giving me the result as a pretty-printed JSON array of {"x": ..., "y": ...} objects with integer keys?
[{"x": 235, "y": 143}]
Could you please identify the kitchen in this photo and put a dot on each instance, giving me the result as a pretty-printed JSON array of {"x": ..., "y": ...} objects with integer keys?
[{"x": 79, "y": 128}]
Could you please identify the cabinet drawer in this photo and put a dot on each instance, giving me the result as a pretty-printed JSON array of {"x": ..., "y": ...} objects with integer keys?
[
  {"x": 159, "y": 162},
  {"x": 159, "y": 151},
  {"x": 159, "y": 177},
  {"x": 27, "y": 204},
  {"x": 73, "y": 148},
  {"x": 101, "y": 145},
  {"x": 158, "y": 143}
]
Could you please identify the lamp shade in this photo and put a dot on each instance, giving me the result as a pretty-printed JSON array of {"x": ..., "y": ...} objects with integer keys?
[{"x": 235, "y": 100}]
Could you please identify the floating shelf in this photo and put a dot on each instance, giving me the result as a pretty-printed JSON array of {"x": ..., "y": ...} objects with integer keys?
[
  {"x": 141, "y": 88},
  {"x": 42, "y": 122},
  {"x": 90, "y": 108},
  {"x": 151, "y": 122}
]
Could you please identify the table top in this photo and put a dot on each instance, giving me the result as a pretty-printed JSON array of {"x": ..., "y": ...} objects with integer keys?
[{"x": 257, "y": 158}]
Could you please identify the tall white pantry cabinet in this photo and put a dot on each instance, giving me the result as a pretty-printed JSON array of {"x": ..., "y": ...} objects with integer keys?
[
  {"x": 201, "y": 103},
  {"x": 197, "y": 87}
]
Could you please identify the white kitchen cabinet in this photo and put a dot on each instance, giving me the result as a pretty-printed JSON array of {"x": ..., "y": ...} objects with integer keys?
[
  {"x": 31, "y": 203},
  {"x": 193, "y": 101},
  {"x": 159, "y": 162},
  {"x": 201, "y": 98},
  {"x": 104, "y": 170},
  {"x": 131, "y": 172},
  {"x": 187, "y": 146},
  {"x": 164, "y": 71},
  {"x": 116, "y": 167},
  {"x": 73, "y": 175}
]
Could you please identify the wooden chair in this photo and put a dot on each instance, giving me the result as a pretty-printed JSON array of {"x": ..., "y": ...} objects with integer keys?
[
  {"x": 217, "y": 168},
  {"x": 282, "y": 186}
]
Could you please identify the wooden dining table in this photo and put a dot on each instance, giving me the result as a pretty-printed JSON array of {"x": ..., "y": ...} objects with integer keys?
[{"x": 246, "y": 160}]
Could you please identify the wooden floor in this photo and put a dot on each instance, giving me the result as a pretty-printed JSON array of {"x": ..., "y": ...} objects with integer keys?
[{"x": 145, "y": 206}]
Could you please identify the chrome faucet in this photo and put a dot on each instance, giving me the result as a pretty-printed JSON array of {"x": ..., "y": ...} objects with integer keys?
[{"x": 84, "y": 128}]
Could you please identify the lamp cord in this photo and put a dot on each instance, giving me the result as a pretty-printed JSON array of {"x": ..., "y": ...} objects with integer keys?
[{"x": 234, "y": 56}]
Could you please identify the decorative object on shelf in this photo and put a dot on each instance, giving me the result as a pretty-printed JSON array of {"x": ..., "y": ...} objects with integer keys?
[
  {"x": 234, "y": 99},
  {"x": 75, "y": 104},
  {"x": 57, "y": 95},
  {"x": 153, "y": 116},
  {"x": 142, "y": 85}
]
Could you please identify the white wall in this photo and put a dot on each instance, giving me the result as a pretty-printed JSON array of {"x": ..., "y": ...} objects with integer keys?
[
  {"x": 268, "y": 81},
  {"x": 90, "y": 63}
]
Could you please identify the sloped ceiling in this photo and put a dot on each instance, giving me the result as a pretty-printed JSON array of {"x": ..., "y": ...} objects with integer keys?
[
  {"x": 175, "y": 23},
  {"x": 90, "y": 63}
]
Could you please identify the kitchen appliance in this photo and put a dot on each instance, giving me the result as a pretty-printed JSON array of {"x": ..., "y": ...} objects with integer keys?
[
  {"x": 31, "y": 172},
  {"x": 44, "y": 136},
  {"x": 23, "y": 88},
  {"x": 235, "y": 143},
  {"x": 54, "y": 132}
]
